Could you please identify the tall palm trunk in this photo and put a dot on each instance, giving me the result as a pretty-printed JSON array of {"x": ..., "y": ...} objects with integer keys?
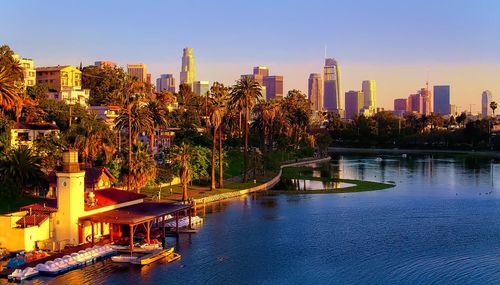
[
  {"x": 184, "y": 179},
  {"x": 129, "y": 163},
  {"x": 245, "y": 160},
  {"x": 214, "y": 144},
  {"x": 221, "y": 174},
  {"x": 152, "y": 143}
]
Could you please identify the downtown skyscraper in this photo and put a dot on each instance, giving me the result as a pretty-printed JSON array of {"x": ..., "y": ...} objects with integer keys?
[
  {"x": 315, "y": 91},
  {"x": 369, "y": 89},
  {"x": 188, "y": 74},
  {"x": 486, "y": 99},
  {"x": 166, "y": 82},
  {"x": 331, "y": 86},
  {"x": 442, "y": 99},
  {"x": 138, "y": 70}
]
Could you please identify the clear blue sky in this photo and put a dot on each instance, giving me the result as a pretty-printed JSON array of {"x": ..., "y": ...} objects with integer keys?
[{"x": 398, "y": 43}]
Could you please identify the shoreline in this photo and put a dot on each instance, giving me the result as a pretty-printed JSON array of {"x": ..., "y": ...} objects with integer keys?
[
  {"x": 372, "y": 151},
  {"x": 202, "y": 202}
]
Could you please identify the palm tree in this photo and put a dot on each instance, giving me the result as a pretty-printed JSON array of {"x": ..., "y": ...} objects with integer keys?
[
  {"x": 182, "y": 155},
  {"x": 143, "y": 167},
  {"x": 217, "y": 104},
  {"x": 245, "y": 93},
  {"x": 128, "y": 96},
  {"x": 10, "y": 76},
  {"x": 21, "y": 168},
  {"x": 493, "y": 106},
  {"x": 92, "y": 136},
  {"x": 157, "y": 111}
]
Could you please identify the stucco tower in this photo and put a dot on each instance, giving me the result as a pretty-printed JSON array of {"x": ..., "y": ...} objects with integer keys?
[{"x": 70, "y": 198}]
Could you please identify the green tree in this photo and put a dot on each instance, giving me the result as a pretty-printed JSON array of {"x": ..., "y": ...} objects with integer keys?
[
  {"x": 143, "y": 167},
  {"x": 190, "y": 162},
  {"x": 21, "y": 168},
  {"x": 50, "y": 148},
  {"x": 245, "y": 93},
  {"x": 103, "y": 83}
]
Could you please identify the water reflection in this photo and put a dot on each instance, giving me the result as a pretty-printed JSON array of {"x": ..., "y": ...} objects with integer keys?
[{"x": 439, "y": 226}]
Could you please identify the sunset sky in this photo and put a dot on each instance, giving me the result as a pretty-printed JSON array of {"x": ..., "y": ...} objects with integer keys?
[{"x": 400, "y": 44}]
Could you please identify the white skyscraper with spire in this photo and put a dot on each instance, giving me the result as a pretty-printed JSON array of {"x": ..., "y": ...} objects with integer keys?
[{"x": 188, "y": 74}]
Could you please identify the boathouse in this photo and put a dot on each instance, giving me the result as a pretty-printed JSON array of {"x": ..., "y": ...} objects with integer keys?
[{"x": 76, "y": 216}]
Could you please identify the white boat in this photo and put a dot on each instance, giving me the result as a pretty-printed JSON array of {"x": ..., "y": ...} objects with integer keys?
[
  {"x": 49, "y": 268},
  {"x": 123, "y": 258},
  {"x": 23, "y": 274}
]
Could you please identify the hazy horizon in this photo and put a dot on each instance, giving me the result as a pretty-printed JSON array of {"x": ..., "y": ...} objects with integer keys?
[{"x": 400, "y": 45}]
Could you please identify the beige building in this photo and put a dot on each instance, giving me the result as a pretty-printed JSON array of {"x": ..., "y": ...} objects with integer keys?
[
  {"x": 29, "y": 70},
  {"x": 65, "y": 84},
  {"x": 138, "y": 70},
  {"x": 26, "y": 134}
]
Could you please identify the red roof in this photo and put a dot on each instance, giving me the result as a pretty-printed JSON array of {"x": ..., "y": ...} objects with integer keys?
[
  {"x": 34, "y": 126},
  {"x": 47, "y": 206},
  {"x": 138, "y": 213},
  {"x": 33, "y": 220},
  {"x": 111, "y": 196}
]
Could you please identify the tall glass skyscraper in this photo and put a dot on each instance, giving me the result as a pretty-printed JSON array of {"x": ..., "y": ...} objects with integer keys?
[
  {"x": 369, "y": 89},
  {"x": 188, "y": 74},
  {"x": 315, "y": 91},
  {"x": 442, "y": 100},
  {"x": 486, "y": 99},
  {"x": 331, "y": 85}
]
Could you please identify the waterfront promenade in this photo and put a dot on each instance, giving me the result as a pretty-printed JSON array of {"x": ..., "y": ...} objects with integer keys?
[{"x": 217, "y": 197}]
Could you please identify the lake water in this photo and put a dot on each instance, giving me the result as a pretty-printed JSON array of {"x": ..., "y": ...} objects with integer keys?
[{"x": 440, "y": 224}]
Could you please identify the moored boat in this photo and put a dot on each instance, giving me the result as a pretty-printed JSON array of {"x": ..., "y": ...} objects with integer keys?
[
  {"x": 124, "y": 258},
  {"x": 152, "y": 257},
  {"x": 23, "y": 274}
]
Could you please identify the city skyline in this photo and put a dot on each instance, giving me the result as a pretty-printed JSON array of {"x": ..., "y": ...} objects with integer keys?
[{"x": 462, "y": 53}]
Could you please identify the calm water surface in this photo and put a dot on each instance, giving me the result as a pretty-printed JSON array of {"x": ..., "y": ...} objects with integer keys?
[{"x": 440, "y": 224}]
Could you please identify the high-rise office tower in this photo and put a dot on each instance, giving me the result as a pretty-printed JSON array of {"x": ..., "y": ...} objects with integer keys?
[
  {"x": 369, "y": 89},
  {"x": 259, "y": 73},
  {"x": 353, "y": 103},
  {"x": 315, "y": 91},
  {"x": 426, "y": 95},
  {"x": 400, "y": 106},
  {"x": 274, "y": 87},
  {"x": 166, "y": 82},
  {"x": 442, "y": 100},
  {"x": 486, "y": 99},
  {"x": 188, "y": 74},
  {"x": 201, "y": 87},
  {"x": 331, "y": 85},
  {"x": 415, "y": 104},
  {"x": 138, "y": 70}
]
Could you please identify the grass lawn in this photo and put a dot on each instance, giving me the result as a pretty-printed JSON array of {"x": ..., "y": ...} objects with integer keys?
[
  {"x": 306, "y": 173},
  {"x": 8, "y": 205}
]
